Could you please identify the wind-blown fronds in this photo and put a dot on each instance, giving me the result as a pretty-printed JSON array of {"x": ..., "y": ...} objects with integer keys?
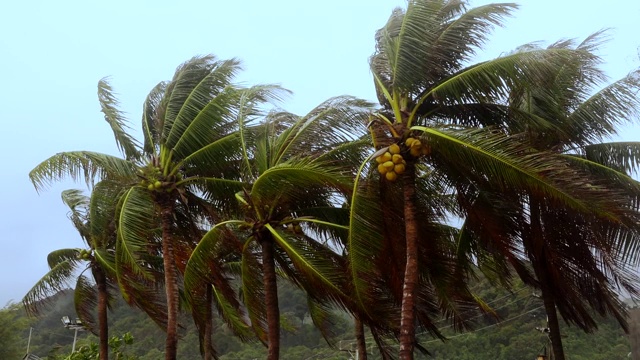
[
  {"x": 63, "y": 264},
  {"x": 116, "y": 120},
  {"x": 136, "y": 217},
  {"x": 80, "y": 165}
]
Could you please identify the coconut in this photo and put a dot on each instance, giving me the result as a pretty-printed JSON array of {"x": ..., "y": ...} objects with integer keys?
[
  {"x": 391, "y": 176},
  {"x": 394, "y": 149},
  {"x": 397, "y": 158},
  {"x": 415, "y": 151},
  {"x": 150, "y": 187},
  {"x": 157, "y": 184},
  {"x": 409, "y": 141},
  {"x": 386, "y": 157},
  {"x": 399, "y": 168},
  {"x": 389, "y": 165},
  {"x": 382, "y": 169}
]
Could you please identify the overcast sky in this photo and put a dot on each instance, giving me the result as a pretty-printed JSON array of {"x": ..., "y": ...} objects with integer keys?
[{"x": 52, "y": 54}]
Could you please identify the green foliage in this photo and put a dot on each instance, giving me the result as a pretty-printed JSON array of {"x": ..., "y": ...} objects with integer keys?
[
  {"x": 514, "y": 337},
  {"x": 12, "y": 344}
]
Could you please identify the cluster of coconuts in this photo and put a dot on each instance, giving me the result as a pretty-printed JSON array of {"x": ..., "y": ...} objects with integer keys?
[
  {"x": 84, "y": 255},
  {"x": 157, "y": 182},
  {"x": 392, "y": 163}
]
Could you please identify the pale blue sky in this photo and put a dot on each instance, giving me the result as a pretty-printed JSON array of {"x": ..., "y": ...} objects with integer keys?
[{"x": 54, "y": 53}]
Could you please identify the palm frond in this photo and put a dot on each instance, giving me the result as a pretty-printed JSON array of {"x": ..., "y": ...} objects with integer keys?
[
  {"x": 127, "y": 144},
  {"x": 195, "y": 82},
  {"x": 56, "y": 280},
  {"x": 512, "y": 165},
  {"x": 318, "y": 264},
  {"x": 253, "y": 289},
  {"x": 295, "y": 178},
  {"x": 365, "y": 239},
  {"x": 151, "y": 121},
  {"x": 85, "y": 300},
  {"x": 80, "y": 165},
  {"x": 136, "y": 219},
  {"x": 615, "y": 104}
]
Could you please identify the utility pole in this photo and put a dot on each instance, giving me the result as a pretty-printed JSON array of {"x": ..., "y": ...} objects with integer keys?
[
  {"x": 29, "y": 341},
  {"x": 73, "y": 325}
]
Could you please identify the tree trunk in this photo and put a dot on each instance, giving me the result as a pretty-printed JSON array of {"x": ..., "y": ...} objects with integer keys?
[
  {"x": 170, "y": 280},
  {"x": 554, "y": 326},
  {"x": 208, "y": 327},
  {"x": 271, "y": 297},
  {"x": 361, "y": 343},
  {"x": 538, "y": 261},
  {"x": 103, "y": 326},
  {"x": 408, "y": 310}
]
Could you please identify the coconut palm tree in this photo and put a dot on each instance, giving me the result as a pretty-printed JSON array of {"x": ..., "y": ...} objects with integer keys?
[
  {"x": 439, "y": 119},
  {"x": 579, "y": 258},
  {"x": 93, "y": 219},
  {"x": 294, "y": 171},
  {"x": 188, "y": 149}
]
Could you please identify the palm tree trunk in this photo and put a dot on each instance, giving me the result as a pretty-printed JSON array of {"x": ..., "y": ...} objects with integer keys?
[
  {"x": 208, "y": 327},
  {"x": 548, "y": 300},
  {"x": 170, "y": 280},
  {"x": 103, "y": 326},
  {"x": 271, "y": 297},
  {"x": 407, "y": 319},
  {"x": 361, "y": 343},
  {"x": 554, "y": 326}
]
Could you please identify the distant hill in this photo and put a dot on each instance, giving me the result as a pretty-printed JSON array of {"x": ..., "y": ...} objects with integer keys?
[{"x": 514, "y": 338}]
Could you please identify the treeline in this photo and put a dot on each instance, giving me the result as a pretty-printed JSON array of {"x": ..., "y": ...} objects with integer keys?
[{"x": 507, "y": 334}]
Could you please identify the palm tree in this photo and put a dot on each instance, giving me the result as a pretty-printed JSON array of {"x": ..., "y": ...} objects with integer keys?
[
  {"x": 438, "y": 120},
  {"x": 93, "y": 219},
  {"x": 189, "y": 141},
  {"x": 294, "y": 170},
  {"x": 579, "y": 257}
]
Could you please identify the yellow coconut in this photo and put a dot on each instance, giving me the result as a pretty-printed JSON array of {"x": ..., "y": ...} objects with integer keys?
[
  {"x": 379, "y": 160},
  {"x": 386, "y": 157},
  {"x": 389, "y": 165},
  {"x": 382, "y": 170},
  {"x": 399, "y": 168},
  {"x": 409, "y": 141},
  {"x": 391, "y": 176},
  {"x": 415, "y": 151},
  {"x": 394, "y": 149},
  {"x": 416, "y": 144},
  {"x": 397, "y": 158}
]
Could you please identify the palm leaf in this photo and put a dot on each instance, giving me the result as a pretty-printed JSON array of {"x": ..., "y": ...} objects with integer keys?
[
  {"x": 63, "y": 264},
  {"x": 85, "y": 300},
  {"x": 116, "y": 120},
  {"x": 511, "y": 165},
  {"x": 135, "y": 221},
  {"x": 87, "y": 165},
  {"x": 190, "y": 89},
  {"x": 151, "y": 122}
]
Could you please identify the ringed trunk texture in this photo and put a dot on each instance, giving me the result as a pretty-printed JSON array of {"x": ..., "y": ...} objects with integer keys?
[
  {"x": 271, "y": 297},
  {"x": 103, "y": 326},
  {"x": 408, "y": 310},
  {"x": 360, "y": 341},
  {"x": 171, "y": 281}
]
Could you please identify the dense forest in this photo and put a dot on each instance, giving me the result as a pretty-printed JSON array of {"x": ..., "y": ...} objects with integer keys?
[{"x": 509, "y": 334}]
